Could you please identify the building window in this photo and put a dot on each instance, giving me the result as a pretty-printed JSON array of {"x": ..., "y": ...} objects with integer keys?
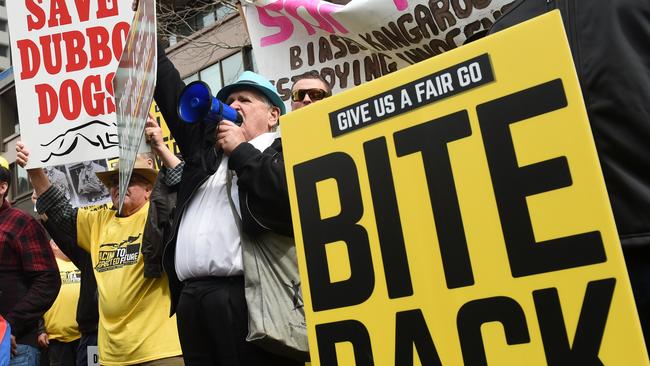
[
  {"x": 222, "y": 73},
  {"x": 3, "y": 24},
  {"x": 231, "y": 67},
  {"x": 211, "y": 75},
  {"x": 195, "y": 16},
  {"x": 4, "y": 51},
  {"x": 253, "y": 61},
  {"x": 191, "y": 78},
  {"x": 20, "y": 184}
]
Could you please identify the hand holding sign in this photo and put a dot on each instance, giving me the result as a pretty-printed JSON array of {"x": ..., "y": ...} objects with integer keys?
[
  {"x": 153, "y": 133},
  {"x": 65, "y": 55}
]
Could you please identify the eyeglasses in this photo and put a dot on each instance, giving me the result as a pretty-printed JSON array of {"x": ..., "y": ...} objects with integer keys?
[{"x": 314, "y": 94}]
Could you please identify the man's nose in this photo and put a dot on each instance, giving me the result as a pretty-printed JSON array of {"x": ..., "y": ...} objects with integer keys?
[{"x": 236, "y": 106}]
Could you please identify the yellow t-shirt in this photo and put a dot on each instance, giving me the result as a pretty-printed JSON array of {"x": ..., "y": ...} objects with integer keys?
[
  {"x": 134, "y": 322},
  {"x": 60, "y": 320}
]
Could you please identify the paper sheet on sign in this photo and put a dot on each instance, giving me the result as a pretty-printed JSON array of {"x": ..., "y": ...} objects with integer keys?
[
  {"x": 455, "y": 212},
  {"x": 134, "y": 83},
  {"x": 64, "y": 57}
]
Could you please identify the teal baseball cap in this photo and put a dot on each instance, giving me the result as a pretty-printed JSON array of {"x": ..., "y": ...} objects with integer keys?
[{"x": 249, "y": 79}]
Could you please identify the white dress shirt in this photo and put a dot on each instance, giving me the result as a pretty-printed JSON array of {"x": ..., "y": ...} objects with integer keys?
[{"x": 208, "y": 242}]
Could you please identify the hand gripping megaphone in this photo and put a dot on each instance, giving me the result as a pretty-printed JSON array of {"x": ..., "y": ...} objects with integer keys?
[{"x": 196, "y": 103}]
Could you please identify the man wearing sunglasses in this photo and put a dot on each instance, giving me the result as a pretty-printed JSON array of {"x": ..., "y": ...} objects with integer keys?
[{"x": 307, "y": 89}]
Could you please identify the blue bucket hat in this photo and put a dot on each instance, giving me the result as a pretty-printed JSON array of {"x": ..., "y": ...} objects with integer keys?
[{"x": 249, "y": 79}]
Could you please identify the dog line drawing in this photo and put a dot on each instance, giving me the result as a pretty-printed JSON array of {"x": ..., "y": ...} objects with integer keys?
[{"x": 66, "y": 142}]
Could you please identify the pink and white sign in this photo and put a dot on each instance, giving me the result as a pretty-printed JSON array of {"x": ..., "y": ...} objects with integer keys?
[
  {"x": 65, "y": 53},
  {"x": 361, "y": 41}
]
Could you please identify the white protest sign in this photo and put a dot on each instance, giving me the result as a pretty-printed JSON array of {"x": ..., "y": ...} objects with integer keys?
[
  {"x": 134, "y": 85},
  {"x": 361, "y": 41},
  {"x": 65, "y": 54}
]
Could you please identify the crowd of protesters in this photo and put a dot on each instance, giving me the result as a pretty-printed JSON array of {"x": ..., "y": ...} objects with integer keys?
[
  {"x": 111, "y": 263},
  {"x": 162, "y": 281}
]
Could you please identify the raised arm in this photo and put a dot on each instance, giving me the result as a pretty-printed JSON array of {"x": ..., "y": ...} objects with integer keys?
[
  {"x": 51, "y": 201},
  {"x": 39, "y": 179},
  {"x": 153, "y": 134}
]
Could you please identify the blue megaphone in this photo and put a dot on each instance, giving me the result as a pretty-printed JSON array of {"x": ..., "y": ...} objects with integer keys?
[{"x": 196, "y": 103}]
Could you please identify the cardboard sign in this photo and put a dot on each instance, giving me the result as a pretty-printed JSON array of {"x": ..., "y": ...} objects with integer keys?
[
  {"x": 134, "y": 82},
  {"x": 65, "y": 54},
  {"x": 361, "y": 41},
  {"x": 454, "y": 213}
]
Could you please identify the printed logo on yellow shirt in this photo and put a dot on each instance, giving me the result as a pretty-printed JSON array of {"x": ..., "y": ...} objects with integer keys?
[
  {"x": 113, "y": 255},
  {"x": 68, "y": 277}
]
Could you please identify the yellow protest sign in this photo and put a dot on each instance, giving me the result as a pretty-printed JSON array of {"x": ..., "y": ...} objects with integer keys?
[{"x": 454, "y": 212}]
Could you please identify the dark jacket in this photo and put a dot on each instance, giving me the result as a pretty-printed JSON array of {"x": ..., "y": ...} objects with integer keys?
[
  {"x": 29, "y": 276},
  {"x": 159, "y": 225},
  {"x": 610, "y": 43},
  {"x": 261, "y": 179}
]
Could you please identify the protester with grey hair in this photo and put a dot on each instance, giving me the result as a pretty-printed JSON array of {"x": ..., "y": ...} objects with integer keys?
[{"x": 225, "y": 165}]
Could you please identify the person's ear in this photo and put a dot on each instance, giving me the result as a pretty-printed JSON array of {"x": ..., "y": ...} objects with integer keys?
[
  {"x": 274, "y": 116},
  {"x": 147, "y": 191}
]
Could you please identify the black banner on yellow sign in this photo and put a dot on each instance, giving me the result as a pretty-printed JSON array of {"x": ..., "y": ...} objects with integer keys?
[{"x": 455, "y": 213}]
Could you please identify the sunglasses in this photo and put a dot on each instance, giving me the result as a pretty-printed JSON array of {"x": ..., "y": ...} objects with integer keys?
[{"x": 314, "y": 94}]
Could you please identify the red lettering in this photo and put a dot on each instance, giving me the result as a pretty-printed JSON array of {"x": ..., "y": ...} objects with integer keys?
[
  {"x": 100, "y": 53},
  {"x": 59, "y": 14},
  {"x": 110, "y": 101},
  {"x": 49, "y": 44},
  {"x": 102, "y": 47},
  {"x": 83, "y": 9},
  {"x": 70, "y": 99},
  {"x": 37, "y": 19},
  {"x": 74, "y": 49},
  {"x": 118, "y": 36},
  {"x": 93, "y": 99},
  {"x": 48, "y": 104},
  {"x": 103, "y": 11},
  {"x": 30, "y": 59}
]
